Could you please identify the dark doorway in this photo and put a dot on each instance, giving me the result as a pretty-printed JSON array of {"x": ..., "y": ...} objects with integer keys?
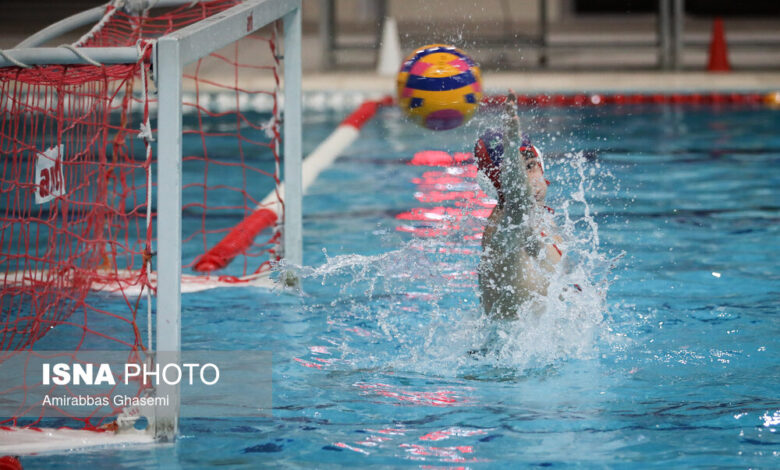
[{"x": 694, "y": 7}]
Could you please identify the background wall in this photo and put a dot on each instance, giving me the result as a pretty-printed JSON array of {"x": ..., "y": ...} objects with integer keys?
[
  {"x": 500, "y": 34},
  {"x": 446, "y": 11}
]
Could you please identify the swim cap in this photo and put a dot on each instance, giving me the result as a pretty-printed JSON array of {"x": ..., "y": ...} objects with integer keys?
[
  {"x": 530, "y": 152},
  {"x": 489, "y": 151}
]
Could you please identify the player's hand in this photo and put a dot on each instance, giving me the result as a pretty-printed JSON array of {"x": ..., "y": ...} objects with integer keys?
[
  {"x": 511, "y": 101},
  {"x": 512, "y": 121}
]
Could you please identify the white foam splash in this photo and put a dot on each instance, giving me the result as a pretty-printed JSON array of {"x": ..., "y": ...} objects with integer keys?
[{"x": 422, "y": 314}]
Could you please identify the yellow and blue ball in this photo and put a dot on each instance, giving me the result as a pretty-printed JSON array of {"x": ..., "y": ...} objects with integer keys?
[{"x": 439, "y": 87}]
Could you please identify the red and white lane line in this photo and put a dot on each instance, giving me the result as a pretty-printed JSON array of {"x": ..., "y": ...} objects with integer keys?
[
  {"x": 597, "y": 99},
  {"x": 241, "y": 237}
]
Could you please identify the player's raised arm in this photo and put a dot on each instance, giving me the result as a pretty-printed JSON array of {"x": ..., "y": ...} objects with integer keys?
[{"x": 514, "y": 180}]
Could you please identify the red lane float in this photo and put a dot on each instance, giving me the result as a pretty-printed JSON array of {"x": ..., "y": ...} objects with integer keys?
[
  {"x": 365, "y": 112},
  {"x": 596, "y": 99},
  {"x": 241, "y": 237},
  {"x": 237, "y": 241},
  {"x": 8, "y": 462}
]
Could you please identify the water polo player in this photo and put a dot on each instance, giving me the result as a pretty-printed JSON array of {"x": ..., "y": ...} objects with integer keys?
[{"x": 519, "y": 253}]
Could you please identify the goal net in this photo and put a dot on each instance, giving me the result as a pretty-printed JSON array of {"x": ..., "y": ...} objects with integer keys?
[{"x": 79, "y": 184}]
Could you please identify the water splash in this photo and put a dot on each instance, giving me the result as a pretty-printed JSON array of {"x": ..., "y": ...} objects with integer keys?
[
  {"x": 417, "y": 308},
  {"x": 564, "y": 324}
]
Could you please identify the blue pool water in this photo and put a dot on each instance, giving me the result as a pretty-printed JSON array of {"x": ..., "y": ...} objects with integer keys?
[{"x": 667, "y": 358}]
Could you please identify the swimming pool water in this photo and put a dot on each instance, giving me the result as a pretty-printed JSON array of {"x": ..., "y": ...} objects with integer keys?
[{"x": 668, "y": 358}]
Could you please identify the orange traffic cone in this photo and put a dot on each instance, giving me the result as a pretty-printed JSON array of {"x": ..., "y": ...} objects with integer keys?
[{"x": 719, "y": 56}]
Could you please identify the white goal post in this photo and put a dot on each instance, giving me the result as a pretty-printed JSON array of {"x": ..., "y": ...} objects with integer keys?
[{"x": 172, "y": 53}]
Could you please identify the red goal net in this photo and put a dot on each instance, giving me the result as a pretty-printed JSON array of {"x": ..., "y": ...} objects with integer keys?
[{"x": 78, "y": 186}]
